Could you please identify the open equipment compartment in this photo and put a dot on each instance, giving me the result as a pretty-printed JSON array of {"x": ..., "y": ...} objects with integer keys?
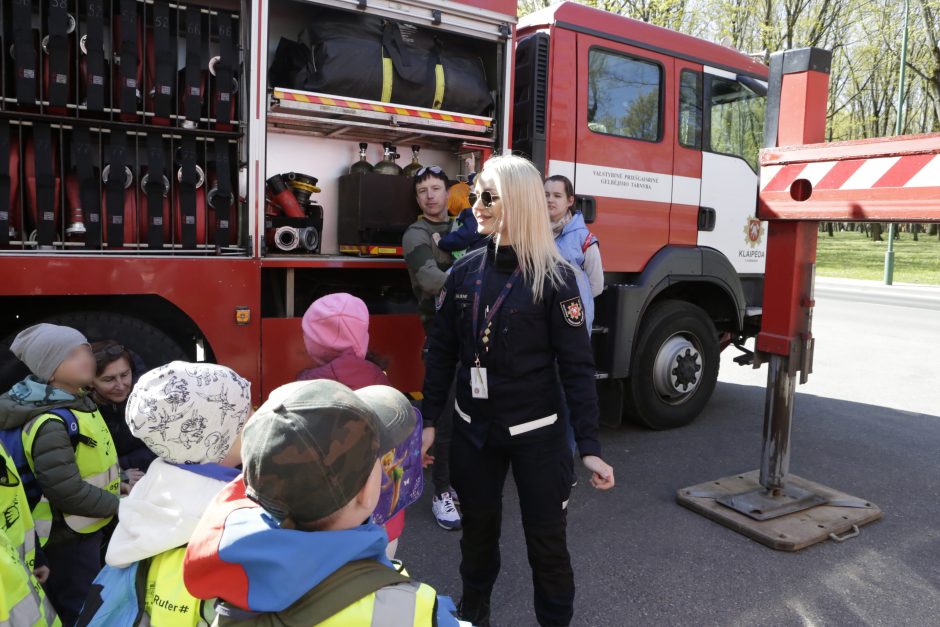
[{"x": 318, "y": 132}]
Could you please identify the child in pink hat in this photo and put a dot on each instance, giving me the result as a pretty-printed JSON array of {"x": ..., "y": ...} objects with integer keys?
[{"x": 336, "y": 335}]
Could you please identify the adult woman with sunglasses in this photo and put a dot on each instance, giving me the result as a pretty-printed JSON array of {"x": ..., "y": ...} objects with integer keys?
[
  {"x": 506, "y": 315},
  {"x": 114, "y": 378}
]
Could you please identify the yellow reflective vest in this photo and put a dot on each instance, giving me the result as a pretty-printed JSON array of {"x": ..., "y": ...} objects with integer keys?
[
  {"x": 167, "y": 602},
  {"x": 23, "y": 602},
  {"x": 96, "y": 459},
  {"x": 405, "y": 604}
]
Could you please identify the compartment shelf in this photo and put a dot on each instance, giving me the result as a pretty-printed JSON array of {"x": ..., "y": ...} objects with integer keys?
[
  {"x": 330, "y": 261},
  {"x": 19, "y": 248},
  {"x": 332, "y": 116}
]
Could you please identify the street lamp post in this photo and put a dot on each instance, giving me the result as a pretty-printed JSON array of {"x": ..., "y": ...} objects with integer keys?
[{"x": 898, "y": 129}]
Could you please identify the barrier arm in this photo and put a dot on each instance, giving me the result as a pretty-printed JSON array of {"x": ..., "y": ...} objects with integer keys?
[{"x": 803, "y": 182}]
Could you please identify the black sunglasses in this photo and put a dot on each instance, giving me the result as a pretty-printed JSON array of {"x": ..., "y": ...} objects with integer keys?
[
  {"x": 433, "y": 169},
  {"x": 487, "y": 197}
]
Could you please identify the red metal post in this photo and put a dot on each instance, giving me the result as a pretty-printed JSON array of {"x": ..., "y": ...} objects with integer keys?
[{"x": 785, "y": 339}]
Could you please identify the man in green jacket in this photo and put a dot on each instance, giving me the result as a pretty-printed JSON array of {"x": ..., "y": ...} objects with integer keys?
[
  {"x": 428, "y": 264},
  {"x": 78, "y": 471},
  {"x": 427, "y": 269}
]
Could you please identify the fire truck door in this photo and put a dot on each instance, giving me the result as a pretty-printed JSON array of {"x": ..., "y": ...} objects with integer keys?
[
  {"x": 624, "y": 156},
  {"x": 733, "y": 114},
  {"x": 688, "y": 216}
]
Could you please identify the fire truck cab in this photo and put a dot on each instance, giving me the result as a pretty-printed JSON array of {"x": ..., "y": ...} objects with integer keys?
[{"x": 659, "y": 132}]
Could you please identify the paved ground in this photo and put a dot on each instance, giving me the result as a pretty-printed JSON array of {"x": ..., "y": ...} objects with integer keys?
[{"x": 868, "y": 423}]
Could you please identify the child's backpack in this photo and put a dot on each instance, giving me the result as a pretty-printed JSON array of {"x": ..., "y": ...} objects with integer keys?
[
  {"x": 12, "y": 440},
  {"x": 402, "y": 476}
]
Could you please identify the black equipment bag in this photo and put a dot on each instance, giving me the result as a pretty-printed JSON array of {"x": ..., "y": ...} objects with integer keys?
[
  {"x": 361, "y": 56},
  {"x": 291, "y": 59}
]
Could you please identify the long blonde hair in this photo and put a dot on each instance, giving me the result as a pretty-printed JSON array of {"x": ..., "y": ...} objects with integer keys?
[{"x": 525, "y": 215}]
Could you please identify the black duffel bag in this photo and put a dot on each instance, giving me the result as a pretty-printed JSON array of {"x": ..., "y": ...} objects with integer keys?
[
  {"x": 291, "y": 59},
  {"x": 361, "y": 56}
]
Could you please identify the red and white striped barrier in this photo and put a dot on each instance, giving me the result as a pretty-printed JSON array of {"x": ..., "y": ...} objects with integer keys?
[{"x": 895, "y": 178}]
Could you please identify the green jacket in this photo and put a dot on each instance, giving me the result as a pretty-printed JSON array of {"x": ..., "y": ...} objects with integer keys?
[
  {"x": 427, "y": 264},
  {"x": 53, "y": 455}
]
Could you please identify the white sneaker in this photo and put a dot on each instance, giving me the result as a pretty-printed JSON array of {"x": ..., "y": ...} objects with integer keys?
[{"x": 445, "y": 512}]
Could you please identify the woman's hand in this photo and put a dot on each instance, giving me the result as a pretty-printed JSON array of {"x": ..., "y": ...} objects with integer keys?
[
  {"x": 427, "y": 440},
  {"x": 602, "y": 475}
]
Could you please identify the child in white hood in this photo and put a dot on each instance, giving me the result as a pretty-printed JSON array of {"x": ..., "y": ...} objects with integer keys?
[{"x": 191, "y": 416}]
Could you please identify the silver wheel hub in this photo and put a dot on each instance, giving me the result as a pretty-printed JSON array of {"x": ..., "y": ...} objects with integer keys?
[{"x": 677, "y": 370}]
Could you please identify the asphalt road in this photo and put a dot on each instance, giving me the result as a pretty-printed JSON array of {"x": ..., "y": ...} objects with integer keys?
[{"x": 867, "y": 423}]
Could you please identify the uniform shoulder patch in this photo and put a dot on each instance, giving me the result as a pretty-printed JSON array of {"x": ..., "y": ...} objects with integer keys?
[
  {"x": 573, "y": 311},
  {"x": 440, "y": 299}
]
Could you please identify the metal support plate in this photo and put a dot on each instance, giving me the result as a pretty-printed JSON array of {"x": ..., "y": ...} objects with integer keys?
[
  {"x": 761, "y": 504},
  {"x": 790, "y": 532}
]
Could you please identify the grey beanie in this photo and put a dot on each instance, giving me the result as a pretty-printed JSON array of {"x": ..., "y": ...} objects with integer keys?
[{"x": 43, "y": 347}]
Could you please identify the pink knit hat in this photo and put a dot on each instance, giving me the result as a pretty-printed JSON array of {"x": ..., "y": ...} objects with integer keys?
[{"x": 335, "y": 324}]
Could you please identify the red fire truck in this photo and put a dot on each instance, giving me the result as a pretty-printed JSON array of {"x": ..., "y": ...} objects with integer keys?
[{"x": 658, "y": 131}]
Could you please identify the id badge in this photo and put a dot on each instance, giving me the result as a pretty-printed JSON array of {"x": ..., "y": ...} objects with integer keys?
[{"x": 478, "y": 385}]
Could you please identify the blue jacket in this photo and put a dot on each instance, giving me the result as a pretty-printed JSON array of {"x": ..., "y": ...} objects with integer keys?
[
  {"x": 528, "y": 339},
  {"x": 570, "y": 244},
  {"x": 465, "y": 237},
  {"x": 241, "y": 555}
]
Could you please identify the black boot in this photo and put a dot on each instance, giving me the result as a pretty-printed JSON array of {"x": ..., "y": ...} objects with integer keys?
[{"x": 474, "y": 608}]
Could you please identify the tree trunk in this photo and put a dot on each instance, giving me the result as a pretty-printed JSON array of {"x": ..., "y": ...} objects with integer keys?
[
  {"x": 932, "y": 229},
  {"x": 876, "y": 231},
  {"x": 829, "y": 228},
  {"x": 914, "y": 229}
]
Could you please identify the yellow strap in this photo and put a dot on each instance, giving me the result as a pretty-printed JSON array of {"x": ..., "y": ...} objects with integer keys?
[
  {"x": 438, "y": 86},
  {"x": 388, "y": 76}
]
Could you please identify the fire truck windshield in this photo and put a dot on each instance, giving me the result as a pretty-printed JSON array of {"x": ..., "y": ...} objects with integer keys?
[{"x": 736, "y": 116}]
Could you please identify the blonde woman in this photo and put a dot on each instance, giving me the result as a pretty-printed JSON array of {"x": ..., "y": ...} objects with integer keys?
[{"x": 507, "y": 313}]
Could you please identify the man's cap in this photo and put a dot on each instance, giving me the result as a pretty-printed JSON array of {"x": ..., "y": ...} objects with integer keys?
[{"x": 310, "y": 448}]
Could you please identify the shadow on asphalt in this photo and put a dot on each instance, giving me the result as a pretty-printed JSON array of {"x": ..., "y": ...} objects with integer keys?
[{"x": 641, "y": 559}]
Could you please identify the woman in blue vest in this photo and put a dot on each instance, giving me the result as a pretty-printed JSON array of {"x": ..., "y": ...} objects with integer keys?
[
  {"x": 580, "y": 248},
  {"x": 575, "y": 242}
]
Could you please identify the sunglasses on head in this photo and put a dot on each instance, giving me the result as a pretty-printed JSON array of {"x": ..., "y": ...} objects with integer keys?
[
  {"x": 487, "y": 197},
  {"x": 433, "y": 169},
  {"x": 111, "y": 351}
]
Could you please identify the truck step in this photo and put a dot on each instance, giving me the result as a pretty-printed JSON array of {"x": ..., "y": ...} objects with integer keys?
[{"x": 746, "y": 358}]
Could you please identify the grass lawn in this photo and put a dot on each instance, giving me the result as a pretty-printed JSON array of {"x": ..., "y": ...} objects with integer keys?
[{"x": 854, "y": 256}]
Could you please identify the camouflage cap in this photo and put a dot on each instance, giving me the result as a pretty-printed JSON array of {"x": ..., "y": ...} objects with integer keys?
[{"x": 310, "y": 448}]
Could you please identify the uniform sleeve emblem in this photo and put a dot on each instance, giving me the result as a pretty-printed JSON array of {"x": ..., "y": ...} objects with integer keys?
[
  {"x": 440, "y": 299},
  {"x": 573, "y": 311}
]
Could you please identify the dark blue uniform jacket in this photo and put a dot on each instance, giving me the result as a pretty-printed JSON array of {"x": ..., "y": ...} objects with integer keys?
[{"x": 527, "y": 340}]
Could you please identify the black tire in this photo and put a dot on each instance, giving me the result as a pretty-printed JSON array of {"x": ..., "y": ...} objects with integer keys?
[
  {"x": 12, "y": 370},
  {"x": 680, "y": 334},
  {"x": 153, "y": 346}
]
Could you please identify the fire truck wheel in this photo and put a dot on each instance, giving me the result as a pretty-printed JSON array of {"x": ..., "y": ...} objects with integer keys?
[
  {"x": 153, "y": 346},
  {"x": 675, "y": 366}
]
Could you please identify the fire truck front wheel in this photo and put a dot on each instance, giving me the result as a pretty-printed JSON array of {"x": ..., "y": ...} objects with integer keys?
[{"x": 675, "y": 366}]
